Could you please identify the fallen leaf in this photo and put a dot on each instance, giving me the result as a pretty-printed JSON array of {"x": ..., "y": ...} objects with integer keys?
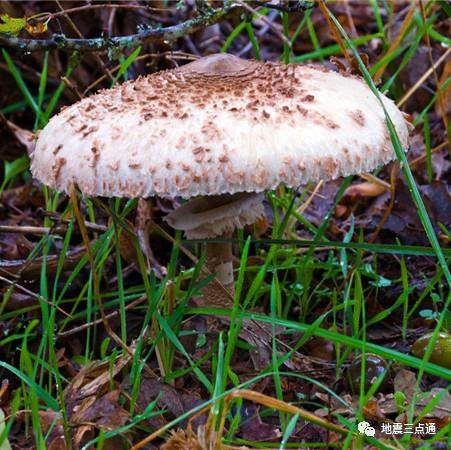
[
  {"x": 256, "y": 430},
  {"x": 176, "y": 401},
  {"x": 444, "y": 96},
  {"x": 25, "y": 138},
  {"x": 52, "y": 422},
  {"x": 36, "y": 28},
  {"x": 388, "y": 405},
  {"x": 365, "y": 189},
  {"x": 442, "y": 409},
  {"x": 86, "y": 401},
  {"x": 404, "y": 382},
  {"x": 105, "y": 411}
]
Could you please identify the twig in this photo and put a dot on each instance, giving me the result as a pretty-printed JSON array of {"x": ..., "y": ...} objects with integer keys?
[
  {"x": 43, "y": 231},
  {"x": 170, "y": 34},
  {"x": 78, "y": 33},
  {"x": 87, "y": 325},
  {"x": 421, "y": 158},
  {"x": 423, "y": 78},
  {"x": 38, "y": 231},
  {"x": 265, "y": 20},
  {"x": 206, "y": 18},
  {"x": 375, "y": 180},
  {"x": 33, "y": 294},
  {"x": 104, "y": 6}
]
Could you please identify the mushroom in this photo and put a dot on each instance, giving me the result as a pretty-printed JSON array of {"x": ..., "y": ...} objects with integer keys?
[{"x": 220, "y": 129}]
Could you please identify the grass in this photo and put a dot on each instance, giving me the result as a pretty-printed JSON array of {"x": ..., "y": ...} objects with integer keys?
[{"x": 283, "y": 283}]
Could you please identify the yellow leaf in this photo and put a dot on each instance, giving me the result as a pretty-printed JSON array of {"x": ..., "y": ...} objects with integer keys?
[
  {"x": 11, "y": 25},
  {"x": 36, "y": 28}
]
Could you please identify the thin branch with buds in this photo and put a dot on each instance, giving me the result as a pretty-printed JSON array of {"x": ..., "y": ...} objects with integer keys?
[{"x": 206, "y": 18}]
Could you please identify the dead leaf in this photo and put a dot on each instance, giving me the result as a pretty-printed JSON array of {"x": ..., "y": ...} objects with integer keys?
[
  {"x": 444, "y": 96},
  {"x": 334, "y": 405},
  {"x": 365, "y": 189},
  {"x": 92, "y": 378},
  {"x": 105, "y": 411},
  {"x": 176, "y": 401},
  {"x": 59, "y": 443},
  {"x": 388, "y": 406},
  {"x": 372, "y": 410},
  {"x": 52, "y": 422},
  {"x": 404, "y": 382},
  {"x": 24, "y": 138},
  {"x": 321, "y": 348},
  {"x": 82, "y": 435},
  {"x": 36, "y": 28},
  {"x": 442, "y": 409},
  {"x": 256, "y": 430},
  {"x": 14, "y": 246},
  {"x": 86, "y": 400}
]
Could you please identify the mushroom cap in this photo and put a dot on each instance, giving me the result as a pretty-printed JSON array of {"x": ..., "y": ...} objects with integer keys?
[
  {"x": 208, "y": 217},
  {"x": 218, "y": 125}
]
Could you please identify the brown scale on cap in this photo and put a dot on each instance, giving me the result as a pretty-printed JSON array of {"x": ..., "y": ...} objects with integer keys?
[
  {"x": 88, "y": 132},
  {"x": 211, "y": 131},
  {"x": 329, "y": 165},
  {"x": 358, "y": 117},
  {"x": 267, "y": 112},
  {"x": 308, "y": 98},
  {"x": 81, "y": 128},
  {"x": 57, "y": 149},
  {"x": 134, "y": 165},
  {"x": 56, "y": 168},
  {"x": 95, "y": 156}
]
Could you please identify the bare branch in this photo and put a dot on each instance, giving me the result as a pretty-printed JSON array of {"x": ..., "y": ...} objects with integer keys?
[
  {"x": 170, "y": 34},
  {"x": 207, "y": 17}
]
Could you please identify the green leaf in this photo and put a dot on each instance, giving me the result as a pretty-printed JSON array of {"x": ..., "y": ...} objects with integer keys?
[
  {"x": 39, "y": 391},
  {"x": 400, "y": 400},
  {"x": 12, "y": 25},
  {"x": 14, "y": 168}
]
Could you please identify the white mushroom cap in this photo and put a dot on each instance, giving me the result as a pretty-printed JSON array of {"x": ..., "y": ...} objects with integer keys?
[{"x": 218, "y": 125}]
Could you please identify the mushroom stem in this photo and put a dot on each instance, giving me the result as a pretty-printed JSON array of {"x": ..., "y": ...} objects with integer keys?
[
  {"x": 219, "y": 261},
  {"x": 217, "y": 216}
]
